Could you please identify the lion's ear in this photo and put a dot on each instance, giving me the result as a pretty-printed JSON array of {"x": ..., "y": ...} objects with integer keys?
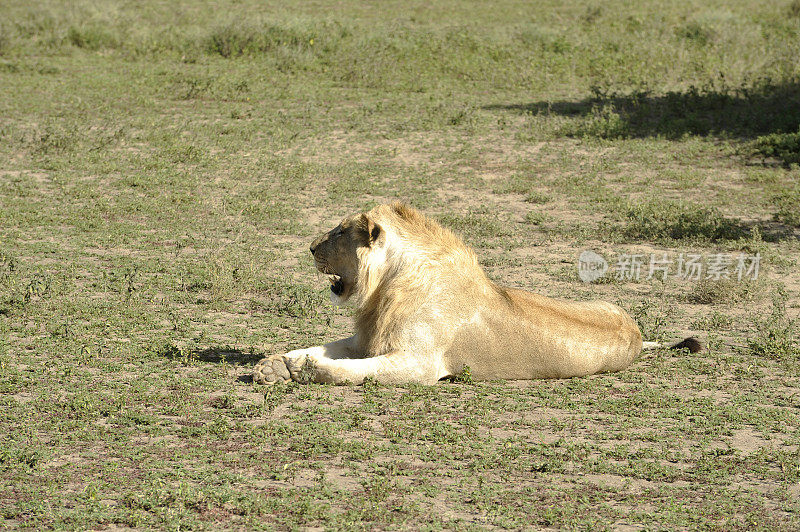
[{"x": 374, "y": 232}]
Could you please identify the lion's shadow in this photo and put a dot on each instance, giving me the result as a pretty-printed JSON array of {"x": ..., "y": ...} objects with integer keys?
[{"x": 227, "y": 355}]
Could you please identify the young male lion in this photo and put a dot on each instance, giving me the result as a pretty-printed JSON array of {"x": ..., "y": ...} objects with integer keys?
[{"x": 425, "y": 309}]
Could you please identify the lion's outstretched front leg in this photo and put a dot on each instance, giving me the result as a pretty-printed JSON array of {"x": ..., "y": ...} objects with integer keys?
[{"x": 392, "y": 368}]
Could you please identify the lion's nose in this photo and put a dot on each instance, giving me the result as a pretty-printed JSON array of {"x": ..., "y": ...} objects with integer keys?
[{"x": 315, "y": 244}]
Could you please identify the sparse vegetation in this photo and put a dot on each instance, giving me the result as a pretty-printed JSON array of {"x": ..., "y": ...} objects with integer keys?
[
  {"x": 788, "y": 203},
  {"x": 653, "y": 319},
  {"x": 725, "y": 291},
  {"x": 164, "y": 166},
  {"x": 776, "y": 335},
  {"x": 714, "y": 321},
  {"x": 659, "y": 220}
]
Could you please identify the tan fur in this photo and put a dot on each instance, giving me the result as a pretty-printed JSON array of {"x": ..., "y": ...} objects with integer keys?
[{"x": 424, "y": 310}]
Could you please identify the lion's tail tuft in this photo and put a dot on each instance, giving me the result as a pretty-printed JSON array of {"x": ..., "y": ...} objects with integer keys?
[{"x": 691, "y": 343}]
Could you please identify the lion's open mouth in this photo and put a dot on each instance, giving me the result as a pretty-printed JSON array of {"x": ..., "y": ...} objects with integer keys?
[{"x": 337, "y": 286}]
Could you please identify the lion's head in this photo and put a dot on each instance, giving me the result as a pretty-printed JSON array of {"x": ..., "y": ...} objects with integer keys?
[
  {"x": 343, "y": 254},
  {"x": 389, "y": 261}
]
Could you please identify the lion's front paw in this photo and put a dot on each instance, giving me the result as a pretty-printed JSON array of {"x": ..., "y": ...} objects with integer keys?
[
  {"x": 270, "y": 370},
  {"x": 301, "y": 368}
]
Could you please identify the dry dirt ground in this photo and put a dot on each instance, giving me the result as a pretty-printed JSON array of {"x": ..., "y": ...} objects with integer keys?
[{"x": 164, "y": 167}]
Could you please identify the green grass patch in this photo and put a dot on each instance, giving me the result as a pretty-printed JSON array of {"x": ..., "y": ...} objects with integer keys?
[
  {"x": 784, "y": 147},
  {"x": 602, "y": 122},
  {"x": 671, "y": 220},
  {"x": 725, "y": 291}
]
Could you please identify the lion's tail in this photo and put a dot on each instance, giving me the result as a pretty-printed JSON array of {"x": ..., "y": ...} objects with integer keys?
[{"x": 691, "y": 343}]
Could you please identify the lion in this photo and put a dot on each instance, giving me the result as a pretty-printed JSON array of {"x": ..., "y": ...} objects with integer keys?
[{"x": 425, "y": 310}]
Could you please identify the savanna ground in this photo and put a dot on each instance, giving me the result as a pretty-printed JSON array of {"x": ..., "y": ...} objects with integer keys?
[{"x": 164, "y": 165}]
